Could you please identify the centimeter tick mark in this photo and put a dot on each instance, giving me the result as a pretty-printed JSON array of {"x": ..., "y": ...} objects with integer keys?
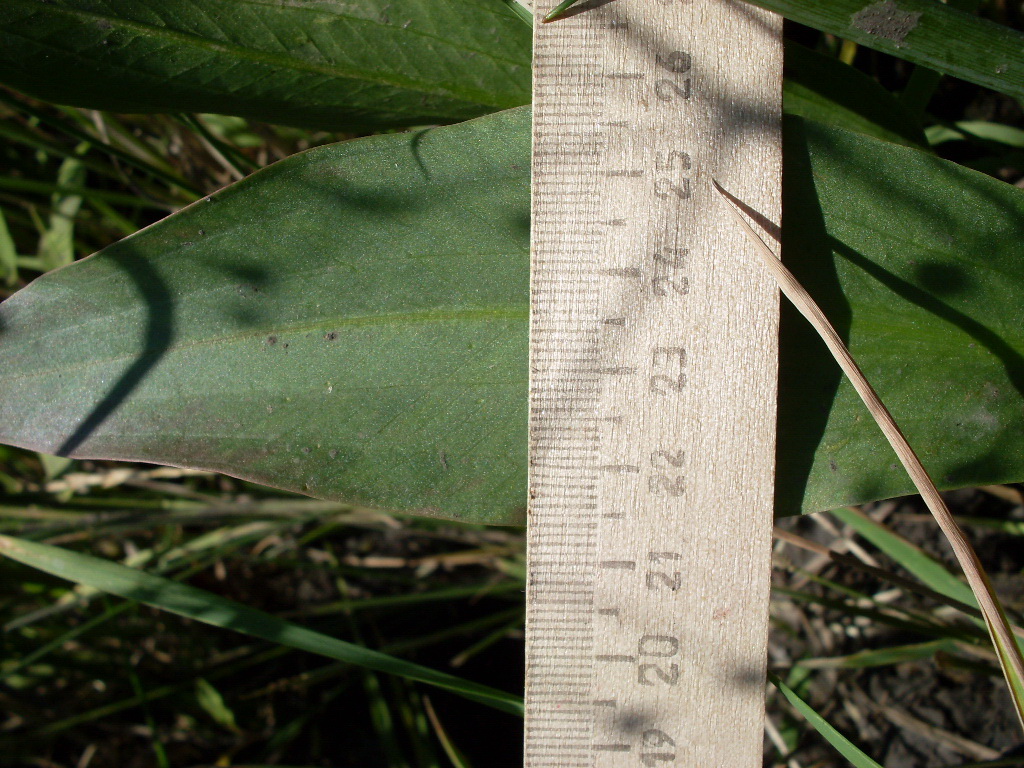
[{"x": 621, "y": 565}]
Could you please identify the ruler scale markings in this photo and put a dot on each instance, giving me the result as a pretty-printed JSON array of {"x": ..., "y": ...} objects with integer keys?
[{"x": 638, "y": 309}]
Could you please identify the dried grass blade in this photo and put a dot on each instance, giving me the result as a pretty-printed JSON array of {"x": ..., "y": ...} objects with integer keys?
[{"x": 1005, "y": 645}]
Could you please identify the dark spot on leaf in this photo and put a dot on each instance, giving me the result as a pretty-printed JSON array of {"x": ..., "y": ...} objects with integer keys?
[
  {"x": 332, "y": 336},
  {"x": 885, "y": 19},
  {"x": 271, "y": 340},
  {"x": 202, "y": 232},
  {"x": 832, "y": 465},
  {"x": 306, "y": 450}
]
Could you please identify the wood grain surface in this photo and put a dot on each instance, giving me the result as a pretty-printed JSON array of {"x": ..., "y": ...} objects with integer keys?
[{"x": 653, "y": 355}]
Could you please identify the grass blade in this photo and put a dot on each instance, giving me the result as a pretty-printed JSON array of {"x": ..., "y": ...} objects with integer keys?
[
  {"x": 926, "y": 568},
  {"x": 458, "y": 760},
  {"x": 520, "y": 10},
  {"x": 57, "y": 245},
  {"x": 1007, "y": 651},
  {"x": 8, "y": 254},
  {"x": 208, "y": 608},
  {"x": 883, "y": 657},
  {"x": 559, "y": 10},
  {"x": 843, "y": 745}
]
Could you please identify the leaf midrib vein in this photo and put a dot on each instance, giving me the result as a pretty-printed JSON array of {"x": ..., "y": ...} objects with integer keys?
[
  {"x": 352, "y": 321},
  {"x": 280, "y": 60}
]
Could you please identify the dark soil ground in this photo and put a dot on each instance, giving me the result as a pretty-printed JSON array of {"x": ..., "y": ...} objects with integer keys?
[{"x": 941, "y": 711}]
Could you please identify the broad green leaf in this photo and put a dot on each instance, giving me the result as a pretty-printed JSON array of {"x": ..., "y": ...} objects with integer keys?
[
  {"x": 198, "y": 604},
  {"x": 824, "y": 89},
  {"x": 351, "y": 323},
  {"x": 331, "y": 64},
  {"x": 916, "y": 262},
  {"x": 925, "y": 32}
]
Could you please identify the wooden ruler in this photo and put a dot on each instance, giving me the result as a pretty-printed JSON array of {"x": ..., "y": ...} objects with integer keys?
[{"x": 653, "y": 354}]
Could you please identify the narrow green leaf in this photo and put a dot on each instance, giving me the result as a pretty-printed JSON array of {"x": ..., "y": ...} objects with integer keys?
[
  {"x": 57, "y": 190},
  {"x": 843, "y": 745},
  {"x": 8, "y": 253},
  {"x": 925, "y": 32},
  {"x": 520, "y": 10},
  {"x": 198, "y": 604},
  {"x": 559, "y": 10},
  {"x": 937, "y": 577},
  {"x": 883, "y": 657},
  {"x": 914, "y": 559},
  {"x": 93, "y": 141},
  {"x": 57, "y": 245},
  {"x": 54, "y": 466},
  {"x": 976, "y": 130},
  {"x": 210, "y": 700},
  {"x": 822, "y": 88},
  {"x": 923, "y": 81},
  {"x": 340, "y": 66}
]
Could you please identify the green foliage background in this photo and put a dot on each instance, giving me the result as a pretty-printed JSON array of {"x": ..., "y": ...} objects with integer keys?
[{"x": 350, "y": 322}]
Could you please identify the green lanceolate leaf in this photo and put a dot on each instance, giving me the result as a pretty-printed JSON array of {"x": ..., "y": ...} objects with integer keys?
[
  {"x": 914, "y": 259},
  {"x": 198, "y": 604},
  {"x": 925, "y": 32},
  {"x": 352, "y": 323},
  {"x": 321, "y": 63}
]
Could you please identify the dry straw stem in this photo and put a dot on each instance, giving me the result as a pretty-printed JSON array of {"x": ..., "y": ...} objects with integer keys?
[{"x": 1005, "y": 645}]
